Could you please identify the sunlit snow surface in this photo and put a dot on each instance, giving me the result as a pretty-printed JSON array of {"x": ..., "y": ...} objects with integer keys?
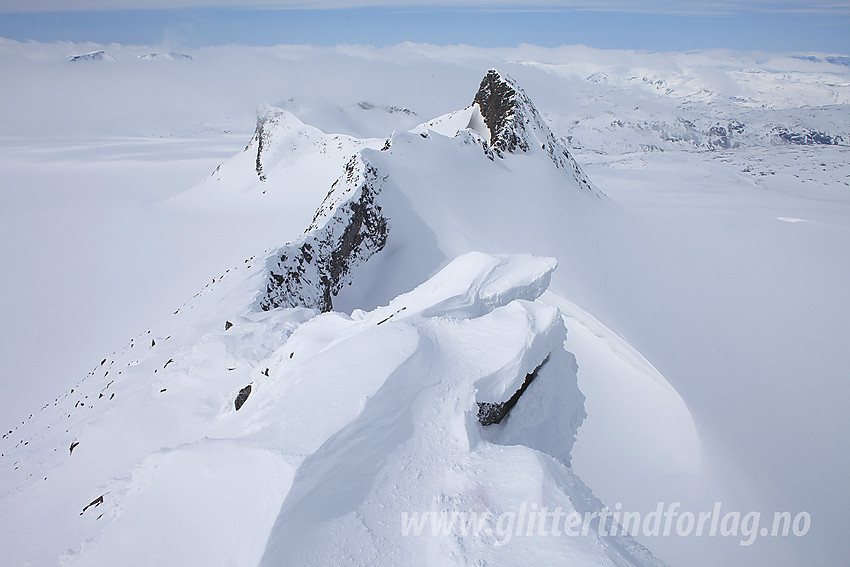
[{"x": 704, "y": 301}]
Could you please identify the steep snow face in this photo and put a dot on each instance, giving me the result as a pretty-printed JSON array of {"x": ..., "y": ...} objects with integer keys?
[
  {"x": 323, "y": 458},
  {"x": 454, "y": 123}
]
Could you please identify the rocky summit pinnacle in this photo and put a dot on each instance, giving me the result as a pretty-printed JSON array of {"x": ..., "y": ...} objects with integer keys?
[
  {"x": 499, "y": 99},
  {"x": 515, "y": 125}
]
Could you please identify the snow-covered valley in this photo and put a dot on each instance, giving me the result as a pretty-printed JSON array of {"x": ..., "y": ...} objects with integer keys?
[{"x": 691, "y": 341}]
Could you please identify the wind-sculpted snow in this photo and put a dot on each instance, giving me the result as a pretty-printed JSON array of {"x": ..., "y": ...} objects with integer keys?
[
  {"x": 457, "y": 291},
  {"x": 351, "y": 422},
  {"x": 417, "y": 446}
]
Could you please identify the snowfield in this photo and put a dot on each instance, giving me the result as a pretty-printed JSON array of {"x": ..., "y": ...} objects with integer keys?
[{"x": 629, "y": 291}]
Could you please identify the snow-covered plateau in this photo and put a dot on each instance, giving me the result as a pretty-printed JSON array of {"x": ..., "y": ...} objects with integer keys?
[{"x": 281, "y": 306}]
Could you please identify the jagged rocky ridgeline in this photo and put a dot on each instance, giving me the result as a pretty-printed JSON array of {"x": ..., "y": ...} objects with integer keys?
[
  {"x": 356, "y": 418},
  {"x": 350, "y": 225},
  {"x": 348, "y": 228}
]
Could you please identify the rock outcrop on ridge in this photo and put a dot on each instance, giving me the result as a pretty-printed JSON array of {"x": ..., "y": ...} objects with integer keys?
[{"x": 350, "y": 225}]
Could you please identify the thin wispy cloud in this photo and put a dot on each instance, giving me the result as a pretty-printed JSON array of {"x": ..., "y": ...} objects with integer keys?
[{"x": 689, "y": 7}]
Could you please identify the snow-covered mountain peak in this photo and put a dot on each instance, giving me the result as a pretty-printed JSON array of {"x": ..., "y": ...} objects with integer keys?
[
  {"x": 351, "y": 224},
  {"x": 279, "y": 132},
  {"x": 515, "y": 125},
  {"x": 171, "y": 55},
  {"x": 99, "y": 55}
]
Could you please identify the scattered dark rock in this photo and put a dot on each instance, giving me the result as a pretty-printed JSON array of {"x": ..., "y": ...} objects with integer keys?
[
  {"x": 490, "y": 413},
  {"x": 227, "y": 325},
  {"x": 736, "y": 127},
  {"x": 719, "y": 138},
  {"x": 170, "y": 360},
  {"x": 242, "y": 396},
  {"x": 266, "y": 372},
  {"x": 73, "y": 446},
  {"x": 806, "y": 137},
  {"x": 164, "y": 389}
]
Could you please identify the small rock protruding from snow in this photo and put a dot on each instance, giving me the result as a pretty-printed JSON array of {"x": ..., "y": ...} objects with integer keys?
[
  {"x": 490, "y": 413},
  {"x": 242, "y": 397}
]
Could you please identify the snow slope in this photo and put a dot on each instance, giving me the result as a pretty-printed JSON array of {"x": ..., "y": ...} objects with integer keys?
[
  {"x": 348, "y": 448},
  {"x": 150, "y": 443},
  {"x": 689, "y": 264}
]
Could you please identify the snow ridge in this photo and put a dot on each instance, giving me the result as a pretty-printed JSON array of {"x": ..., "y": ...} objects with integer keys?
[
  {"x": 350, "y": 226},
  {"x": 417, "y": 446}
]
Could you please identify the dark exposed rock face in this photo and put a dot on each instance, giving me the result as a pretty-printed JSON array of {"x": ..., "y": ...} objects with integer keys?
[
  {"x": 261, "y": 134},
  {"x": 500, "y": 105},
  {"x": 490, "y": 413},
  {"x": 348, "y": 229},
  {"x": 242, "y": 396},
  {"x": 516, "y": 126}
]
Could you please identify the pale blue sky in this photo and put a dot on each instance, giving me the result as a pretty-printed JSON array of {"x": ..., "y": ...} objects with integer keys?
[{"x": 663, "y": 25}]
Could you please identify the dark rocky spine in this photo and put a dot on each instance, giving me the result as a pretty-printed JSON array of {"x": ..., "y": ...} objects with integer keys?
[{"x": 348, "y": 228}]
